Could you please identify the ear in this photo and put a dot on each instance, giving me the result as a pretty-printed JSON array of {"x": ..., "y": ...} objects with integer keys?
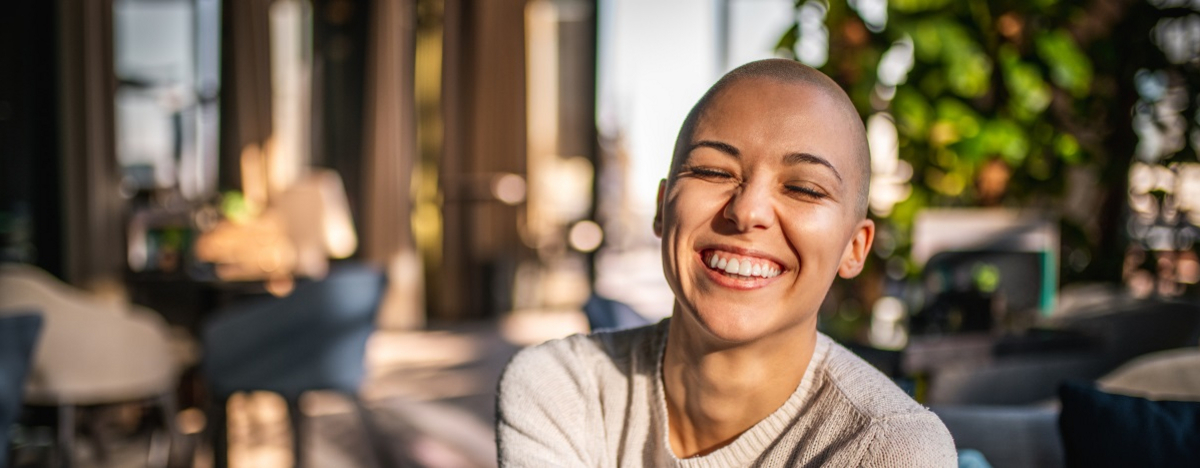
[
  {"x": 658, "y": 208},
  {"x": 857, "y": 250}
]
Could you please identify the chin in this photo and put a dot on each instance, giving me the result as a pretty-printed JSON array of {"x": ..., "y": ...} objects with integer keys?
[
  {"x": 734, "y": 325},
  {"x": 738, "y": 324}
]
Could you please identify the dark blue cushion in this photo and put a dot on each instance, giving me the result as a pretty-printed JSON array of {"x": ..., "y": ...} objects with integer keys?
[
  {"x": 1101, "y": 429},
  {"x": 608, "y": 314},
  {"x": 312, "y": 339},
  {"x": 18, "y": 336}
]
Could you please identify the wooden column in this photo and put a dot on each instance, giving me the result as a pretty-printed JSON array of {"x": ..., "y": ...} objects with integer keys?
[
  {"x": 484, "y": 118},
  {"x": 389, "y": 133},
  {"x": 93, "y": 209},
  {"x": 245, "y": 84},
  {"x": 390, "y": 148}
]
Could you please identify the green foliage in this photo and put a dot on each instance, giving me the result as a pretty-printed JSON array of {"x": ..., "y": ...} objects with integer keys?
[
  {"x": 1070, "y": 69},
  {"x": 913, "y": 114},
  {"x": 968, "y": 68},
  {"x": 916, "y": 6},
  {"x": 983, "y": 87},
  {"x": 235, "y": 207},
  {"x": 986, "y": 277},
  {"x": 1067, "y": 148},
  {"x": 1029, "y": 93}
]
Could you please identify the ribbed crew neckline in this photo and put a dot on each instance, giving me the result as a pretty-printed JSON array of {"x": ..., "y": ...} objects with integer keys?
[{"x": 749, "y": 445}]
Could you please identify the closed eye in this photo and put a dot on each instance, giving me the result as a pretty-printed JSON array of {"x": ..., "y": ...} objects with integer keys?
[
  {"x": 806, "y": 191},
  {"x": 707, "y": 173}
]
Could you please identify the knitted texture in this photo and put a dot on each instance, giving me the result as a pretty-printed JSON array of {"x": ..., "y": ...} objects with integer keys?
[{"x": 597, "y": 401}]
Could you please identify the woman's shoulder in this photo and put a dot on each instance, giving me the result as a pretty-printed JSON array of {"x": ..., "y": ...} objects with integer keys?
[
  {"x": 902, "y": 431},
  {"x": 873, "y": 394},
  {"x": 551, "y": 400},
  {"x": 579, "y": 354}
]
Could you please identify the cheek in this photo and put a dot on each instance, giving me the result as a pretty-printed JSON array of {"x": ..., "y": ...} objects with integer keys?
[
  {"x": 688, "y": 210},
  {"x": 686, "y": 214},
  {"x": 819, "y": 237}
]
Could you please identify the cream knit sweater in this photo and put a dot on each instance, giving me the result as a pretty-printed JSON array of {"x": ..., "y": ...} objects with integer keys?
[{"x": 597, "y": 401}]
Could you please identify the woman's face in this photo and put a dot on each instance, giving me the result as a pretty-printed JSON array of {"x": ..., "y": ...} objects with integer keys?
[{"x": 762, "y": 212}]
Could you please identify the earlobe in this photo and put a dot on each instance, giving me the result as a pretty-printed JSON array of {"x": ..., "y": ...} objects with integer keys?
[
  {"x": 658, "y": 208},
  {"x": 857, "y": 250}
]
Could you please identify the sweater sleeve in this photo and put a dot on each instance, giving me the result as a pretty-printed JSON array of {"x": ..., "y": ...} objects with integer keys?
[
  {"x": 912, "y": 440},
  {"x": 545, "y": 410}
]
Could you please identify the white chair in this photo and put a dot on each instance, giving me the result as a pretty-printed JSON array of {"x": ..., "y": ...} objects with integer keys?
[
  {"x": 317, "y": 215},
  {"x": 91, "y": 352},
  {"x": 1166, "y": 375}
]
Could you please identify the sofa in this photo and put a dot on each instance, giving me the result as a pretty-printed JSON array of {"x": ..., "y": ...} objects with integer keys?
[
  {"x": 1031, "y": 435},
  {"x": 1002, "y": 396}
]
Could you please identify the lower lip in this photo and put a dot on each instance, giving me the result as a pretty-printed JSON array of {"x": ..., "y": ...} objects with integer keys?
[{"x": 735, "y": 283}]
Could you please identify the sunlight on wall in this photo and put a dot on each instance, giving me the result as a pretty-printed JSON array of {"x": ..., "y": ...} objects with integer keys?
[
  {"x": 650, "y": 74},
  {"x": 290, "y": 67}
]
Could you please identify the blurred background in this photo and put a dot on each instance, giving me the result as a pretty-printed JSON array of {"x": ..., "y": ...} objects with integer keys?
[{"x": 277, "y": 232}]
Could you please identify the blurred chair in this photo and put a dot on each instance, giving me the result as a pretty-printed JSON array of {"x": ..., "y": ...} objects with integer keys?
[
  {"x": 1012, "y": 380},
  {"x": 313, "y": 339},
  {"x": 1130, "y": 329},
  {"x": 1165, "y": 375},
  {"x": 1027, "y": 436},
  {"x": 977, "y": 260},
  {"x": 608, "y": 314},
  {"x": 19, "y": 330},
  {"x": 317, "y": 215},
  {"x": 976, "y": 291},
  {"x": 91, "y": 352},
  {"x": 1008, "y": 436}
]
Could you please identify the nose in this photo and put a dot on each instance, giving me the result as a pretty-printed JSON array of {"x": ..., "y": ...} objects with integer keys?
[{"x": 750, "y": 207}]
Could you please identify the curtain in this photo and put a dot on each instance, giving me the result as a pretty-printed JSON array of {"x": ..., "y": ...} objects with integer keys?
[
  {"x": 93, "y": 209},
  {"x": 245, "y": 87},
  {"x": 389, "y": 151}
]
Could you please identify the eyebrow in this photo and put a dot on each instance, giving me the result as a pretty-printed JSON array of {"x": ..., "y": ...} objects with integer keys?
[{"x": 791, "y": 159}]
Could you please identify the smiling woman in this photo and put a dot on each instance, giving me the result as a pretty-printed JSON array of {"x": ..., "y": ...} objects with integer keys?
[{"x": 763, "y": 206}]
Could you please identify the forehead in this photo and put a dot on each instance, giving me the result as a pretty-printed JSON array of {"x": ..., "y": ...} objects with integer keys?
[{"x": 773, "y": 115}]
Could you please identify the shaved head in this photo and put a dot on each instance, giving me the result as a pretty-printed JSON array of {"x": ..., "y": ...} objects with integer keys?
[{"x": 795, "y": 73}]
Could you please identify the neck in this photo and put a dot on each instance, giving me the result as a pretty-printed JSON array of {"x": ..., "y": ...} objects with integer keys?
[{"x": 716, "y": 391}]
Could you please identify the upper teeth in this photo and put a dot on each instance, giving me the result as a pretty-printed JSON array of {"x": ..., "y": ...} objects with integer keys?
[{"x": 743, "y": 266}]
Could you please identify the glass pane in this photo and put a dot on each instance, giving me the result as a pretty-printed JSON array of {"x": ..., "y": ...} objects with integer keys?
[{"x": 166, "y": 55}]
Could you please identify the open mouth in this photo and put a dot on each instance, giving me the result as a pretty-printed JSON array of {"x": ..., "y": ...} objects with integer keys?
[{"x": 742, "y": 267}]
